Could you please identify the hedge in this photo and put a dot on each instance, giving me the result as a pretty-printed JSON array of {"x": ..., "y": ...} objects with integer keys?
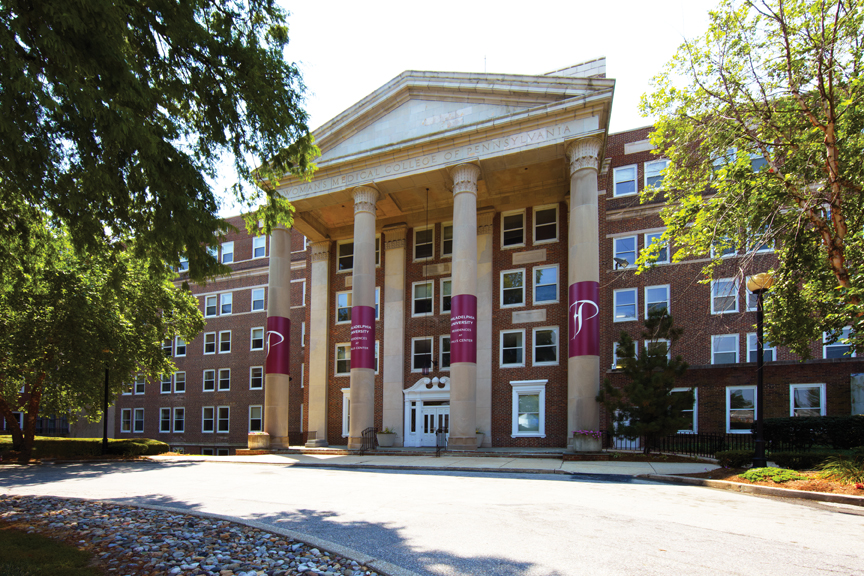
[
  {"x": 838, "y": 432},
  {"x": 47, "y": 447},
  {"x": 783, "y": 459}
]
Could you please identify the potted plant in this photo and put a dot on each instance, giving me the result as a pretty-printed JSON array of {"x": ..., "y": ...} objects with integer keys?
[
  {"x": 259, "y": 441},
  {"x": 479, "y": 437},
  {"x": 587, "y": 440},
  {"x": 386, "y": 438}
]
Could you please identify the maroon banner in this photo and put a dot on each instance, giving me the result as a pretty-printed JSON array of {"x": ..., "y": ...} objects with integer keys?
[
  {"x": 584, "y": 321},
  {"x": 278, "y": 345},
  {"x": 463, "y": 328},
  {"x": 363, "y": 337}
]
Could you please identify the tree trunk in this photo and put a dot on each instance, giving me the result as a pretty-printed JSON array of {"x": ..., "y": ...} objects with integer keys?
[
  {"x": 12, "y": 425},
  {"x": 30, "y": 420}
]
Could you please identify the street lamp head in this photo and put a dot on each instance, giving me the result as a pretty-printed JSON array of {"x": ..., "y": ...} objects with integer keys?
[{"x": 760, "y": 282}]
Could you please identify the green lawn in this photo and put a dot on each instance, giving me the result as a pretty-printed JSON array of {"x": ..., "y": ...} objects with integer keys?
[{"x": 23, "y": 554}]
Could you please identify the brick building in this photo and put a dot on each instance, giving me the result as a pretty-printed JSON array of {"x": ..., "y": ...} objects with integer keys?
[{"x": 487, "y": 209}]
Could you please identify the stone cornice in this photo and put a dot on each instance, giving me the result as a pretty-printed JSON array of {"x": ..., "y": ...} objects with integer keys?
[
  {"x": 394, "y": 236},
  {"x": 320, "y": 251},
  {"x": 485, "y": 218}
]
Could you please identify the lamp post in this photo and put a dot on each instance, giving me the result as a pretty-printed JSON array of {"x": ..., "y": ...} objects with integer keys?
[
  {"x": 105, "y": 410},
  {"x": 759, "y": 284}
]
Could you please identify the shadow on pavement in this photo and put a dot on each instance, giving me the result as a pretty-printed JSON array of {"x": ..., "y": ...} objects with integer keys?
[{"x": 38, "y": 474}]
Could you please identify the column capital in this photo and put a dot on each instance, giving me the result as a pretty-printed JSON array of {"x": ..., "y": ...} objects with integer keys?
[
  {"x": 465, "y": 178},
  {"x": 320, "y": 251},
  {"x": 364, "y": 199},
  {"x": 584, "y": 153},
  {"x": 394, "y": 236},
  {"x": 485, "y": 217}
]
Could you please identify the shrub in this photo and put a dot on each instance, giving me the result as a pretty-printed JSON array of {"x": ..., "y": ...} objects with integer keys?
[
  {"x": 800, "y": 460},
  {"x": 71, "y": 448},
  {"x": 735, "y": 458},
  {"x": 777, "y": 475},
  {"x": 841, "y": 432},
  {"x": 842, "y": 469}
]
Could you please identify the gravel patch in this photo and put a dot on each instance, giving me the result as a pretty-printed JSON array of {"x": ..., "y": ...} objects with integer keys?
[{"x": 125, "y": 540}]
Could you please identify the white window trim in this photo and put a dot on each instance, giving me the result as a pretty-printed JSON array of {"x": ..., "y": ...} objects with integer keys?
[
  {"x": 663, "y": 161},
  {"x": 218, "y": 419},
  {"x": 441, "y": 296},
  {"x": 346, "y": 406},
  {"x": 377, "y": 304},
  {"x": 441, "y": 353},
  {"x": 135, "y": 420},
  {"x": 305, "y": 243},
  {"x": 378, "y": 250},
  {"x": 174, "y": 420},
  {"x": 765, "y": 347},
  {"x": 526, "y": 387},
  {"x": 254, "y": 240},
  {"x": 615, "y": 241},
  {"x": 143, "y": 385},
  {"x": 226, "y": 296},
  {"x": 647, "y": 242},
  {"x": 431, "y": 299},
  {"x": 263, "y": 300},
  {"x": 215, "y": 297},
  {"x": 735, "y": 293},
  {"x": 302, "y": 282},
  {"x": 615, "y": 293},
  {"x": 249, "y": 422},
  {"x": 219, "y": 380},
  {"x": 664, "y": 340},
  {"x": 431, "y": 243},
  {"x": 534, "y": 285},
  {"x": 251, "y": 368},
  {"x": 177, "y": 340},
  {"x": 185, "y": 383},
  {"x": 822, "y": 397},
  {"x": 377, "y": 362},
  {"x": 338, "y": 245},
  {"x": 227, "y": 248},
  {"x": 695, "y": 409},
  {"x": 127, "y": 429},
  {"x": 204, "y": 379},
  {"x": 162, "y": 420},
  {"x": 615, "y": 171},
  {"x": 534, "y": 211},
  {"x": 431, "y": 340},
  {"x": 203, "y": 431},
  {"x": 737, "y": 348},
  {"x": 163, "y": 381},
  {"x": 524, "y": 234},
  {"x": 501, "y": 349},
  {"x": 215, "y": 343},
  {"x": 444, "y": 225},
  {"x": 252, "y": 339},
  {"x": 730, "y": 255},
  {"x": 534, "y": 346},
  {"x": 219, "y": 342},
  {"x": 347, "y": 346},
  {"x": 728, "y": 408},
  {"x": 668, "y": 298},
  {"x": 347, "y": 293},
  {"x": 847, "y": 331},
  {"x": 303, "y": 334},
  {"x": 501, "y": 289}
]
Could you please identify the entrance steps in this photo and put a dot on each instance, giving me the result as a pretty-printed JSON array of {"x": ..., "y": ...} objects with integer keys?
[{"x": 554, "y": 453}]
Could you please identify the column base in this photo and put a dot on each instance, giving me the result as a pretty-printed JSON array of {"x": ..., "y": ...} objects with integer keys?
[
  {"x": 355, "y": 443},
  {"x": 278, "y": 442},
  {"x": 469, "y": 443},
  {"x": 316, "y": 443}
]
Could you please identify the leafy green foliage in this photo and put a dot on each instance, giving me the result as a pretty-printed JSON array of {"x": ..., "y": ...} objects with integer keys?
[
  {"x": 762, "y": 120},
  {"x": 116, "y": 114},
  {"x": 801, "y": 460},
  {"x": 49, "y": 447},
  {"x": 645, "y": 405},
  {"x": 840, "y": 432},
  {"x": 843, "y": 469},
  {"x": 735, "y": 458},
  {"x": 777, "y": 475}
]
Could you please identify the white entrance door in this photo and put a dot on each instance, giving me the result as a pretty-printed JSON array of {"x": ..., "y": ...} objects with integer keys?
[{"x": 434, "y": 417}]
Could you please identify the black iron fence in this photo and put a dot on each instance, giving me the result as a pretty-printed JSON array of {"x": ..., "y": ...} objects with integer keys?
[
  {"x": 705, "y": 445},
  {"x": 370, "y": 439}
]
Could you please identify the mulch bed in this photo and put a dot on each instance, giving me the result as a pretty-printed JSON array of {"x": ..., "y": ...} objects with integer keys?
[{"x": 813, "y": 483}]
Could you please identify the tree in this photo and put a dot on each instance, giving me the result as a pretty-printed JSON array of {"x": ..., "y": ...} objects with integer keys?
[
  {"x": 66, "y": 317},
  {"x": 645, "y": 405},
  {"x": 117, "y": 112},
  {"x": 763, "y": 124}
]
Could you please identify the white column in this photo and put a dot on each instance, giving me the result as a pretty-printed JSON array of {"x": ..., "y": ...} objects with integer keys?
[
  {"x": 319, "y": 343},
  {"x": 484, "y": 323},
  {"x": 278, "y": 337},
  {"x": 583, "y": 265},
  {"x": 363, "y": 317},
  {"x": 463, "y": 310},
  {"x": 393, "y": 345}
]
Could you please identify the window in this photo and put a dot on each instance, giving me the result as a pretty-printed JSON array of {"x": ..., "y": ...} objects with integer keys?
[
  {"x": 343, "y": 359},
  {"x": 127, "y": 389},
  {"x": 256, "y": 378},
  {"x": 421, "y": 354},
  {"x": 126, "y": 420},
  {"x": 725, "y": 247},
  {"x": 833, "y": 344},
  {"x": 257, "y": 299},
  {"x": 179, "y": 347},
  {"x": 377, "y": 303},
  {"x": 225, "y": 301},
  {"x": 210, "y": 306},
  {"x": 545, "y": 346},
  {"x": 624, "y": 181},
  {"x": 164, "y": 420},
  {"x": 616, "y": 360},
  {"x": 343, "y": 307},
  {"x": 653, "y": 177},
  {"x": 545, "y": 284},
  {"x": 752, "y": 299},
  {"x": 224, "y": 379},
  {"x": 166, "y": 347},
  {"x": 377, "y": 250},
  {"x": 303, "y": 244},
  {"x": 447, "y": 239},
  {"x": 179, "y": 382},
  {"x": 529, "y": 408},
  {"x": 663, "y": 254},
  {"x": 422, "y": 298},
  {"x": 223, "y": 414},
  {"x": 545, "y": 224},
  {"x": 624, "y": 302},
  {"x": 444, "y": 361},
  {"x": 512, "y": 288},
  {"x": 807, "y": 400},
  {"x": 179, "y": 419},
  {"x": 512, "y": 229},
  {"x": 446, "y": 288},
  {"x": 209, "y": 380},
  {"x": 139, "y": 420},
  {"x": 625, "y": 251},
  {"x": 769, "y": 352},
  {"x": 656, "y": 299},
  {"x": 345, "y": 257},
  {"x": 207, "y": 419},
  {"x": 227, "y": 252},
  {"x": 210, "y": 343},
  {"x": 424, "y": 242},
  {"x": 724, "y": 295},
  {"x": 302, "y": 284},
  {"x": 376, "y": 363},
  {"x": 259, "y": 247},
  {"x": 207, "y": 451},
  {"x": 740, "y": 409},
  {"x": 757, "y": 162},
  {"x": 346, "y": 411},
  {"x": 257, "y": 339},
  {"x": 213, "y": 251},
  {"x": 139, "y": 384},
  {"x": 691, "y": 413},
  {"x": 225, "y": 342},
  {"x": 184, "y": 264},
  {"x": 724, "y": 349},
  {"x": 656, "y": 344},
  {"x": 512, "y": 348},
  {"x": 256, "y": 419},
  {"x": 165, "y": 383}
]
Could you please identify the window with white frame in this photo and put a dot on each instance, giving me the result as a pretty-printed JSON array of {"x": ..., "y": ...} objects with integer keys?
[
  {"x": 740, "y": 409},
  {"x": 656, "y": 299},
  {"x": 224, "y": 342},
  {"x": 302, "y": 301},
  {"x": 376, "y": 359},
  {"x": 209, "y": 380},
  {"x": 807, "y": 400},
  {"x": 213, "y": 251},
  {"x": 126, "y": 420},
  {"x": 208, "y": 420},
  {"x": 446, "y": 288},
  {"x": 529, "y": 408},
  {"x": 165, "y": 383},
  {"x": 164, "y": 420},
  {"x": 139, "y": 420},
  {"x": 179, "y": 382},
  {"x": 377, "y": 250},
  {"x": 302, "y": 334},
  {"x": 663, "y": 253},
  {"x": 546, "y": 346},
  {"x": 167, "y": 348},
  {"x": 223, "y": 419},
  {"x": 257, "y": 339},
  {"x": 624, "y": 181},
  {"x": 424, "y": 243},
  {"x": 692, "y": 414},
  {"x": 624, "y": 302},
  {"x": 227, "y": 252},
  {"x": 724, "y": 349},
  {"x": 616, "y": 358},
  {"x": 724, "y": 295},
  {"x": 444, "y": 347},
  {"x": 833, "y": 345},
  {"x": 512, "y": 348},
  {"x": 256, "y": 377},
  {"x": 545, "y": 284},
  {"x": 179, "y": 347},
  {"x": 421, "y": 301},
  {"x": 139, "y": 383},
  {"x": 257, "y": 299},
  {"x": 179, "y": 419},
  {"x": 624, "y": 249},
  {"x": 259, "y": 247},
  {"x": 209, "y": 343},
  {"x": 447, "y": 239},
  {"x": 421, "y": 353},
  {"x": 344, "y": 256},
  {"x": 661, "y": 345},
  {"x": 303, "y": 243},
  {"x": 343, "y": 307},
  {"x": 256, "y": 418},
  {"x": 184, "y": 264},
  {"x": 346, "y": 412},
  {"x": 210, "y": 308},
  {"x": 769, "y": 352},
  {"x": 377, "y": 303},
  {"x": 545, "y": 224},
  {"x": 724, "y": 248},
  {"x": 513, "y": 229},
  {"x": 653, "y": 175},
  {"x": 224, "y": 384},
  {"x": 343, "y": 359},
  {"x": 225, "y": 303},
  {"x": 751, "y": 298},
  {"x": 512, "y": 288}
]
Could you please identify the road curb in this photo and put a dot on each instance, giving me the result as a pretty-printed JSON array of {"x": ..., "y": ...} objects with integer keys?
[{"x": 758, "y": 490}]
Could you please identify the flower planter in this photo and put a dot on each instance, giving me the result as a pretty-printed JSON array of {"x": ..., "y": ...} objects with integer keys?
[
  {"x": 480, "y": 436},
  {"x": 586, "y": 444},
  {"x": 259, "y": 441},
  {"x": 386, "y": 440}
]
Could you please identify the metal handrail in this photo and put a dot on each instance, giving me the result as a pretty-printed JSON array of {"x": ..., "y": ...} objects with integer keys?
[
  {"x": 440, "y": 441},
  {"x": 370, "y": 439}
]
